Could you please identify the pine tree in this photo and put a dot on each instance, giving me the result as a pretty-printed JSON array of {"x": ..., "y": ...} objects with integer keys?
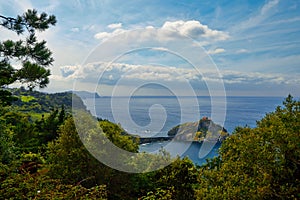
[{"x": 33, "y": 56}]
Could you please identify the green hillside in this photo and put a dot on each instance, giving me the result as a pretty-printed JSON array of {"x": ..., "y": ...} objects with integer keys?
[{"x": 39, "y": 102}]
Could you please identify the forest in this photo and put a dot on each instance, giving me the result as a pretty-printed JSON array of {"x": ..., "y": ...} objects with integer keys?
[{"x": 42, "y": 156}]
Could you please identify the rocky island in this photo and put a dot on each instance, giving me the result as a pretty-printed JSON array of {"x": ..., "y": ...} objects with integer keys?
[{"x": 203, "y": 130}]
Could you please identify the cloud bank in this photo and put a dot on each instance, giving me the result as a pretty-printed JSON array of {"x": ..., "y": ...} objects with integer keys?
[
  {"x": 109, "y": 74},
  {"x": 193, "y": 29}
]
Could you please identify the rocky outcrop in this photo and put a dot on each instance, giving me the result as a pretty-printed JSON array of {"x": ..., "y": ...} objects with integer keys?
[{"x": 204, "y": 129}]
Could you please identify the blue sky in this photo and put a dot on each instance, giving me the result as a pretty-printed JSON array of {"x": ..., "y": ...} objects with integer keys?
[{"x": 254, "y": 46}]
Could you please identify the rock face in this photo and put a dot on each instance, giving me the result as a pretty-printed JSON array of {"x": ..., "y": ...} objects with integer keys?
[{"x": 204, "y": 129}]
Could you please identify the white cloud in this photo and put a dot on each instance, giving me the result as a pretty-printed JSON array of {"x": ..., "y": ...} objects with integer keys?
[
  {"x": 92, "y": 72},
  {"x": 132, "y": 73},
  {"x": 105, "y": 35},
  {"x": 102, "y": 35},
  {"x": 268, "y": 6},
  {"x": 216, "y": 51},
  {"x": 233, "y": 77},
  {"x": 266, "y": 11},
  {"x": 160, "y": 49},
  {"x": 69, "y": 68},
  {"x": 172, "y": 30},
  {"x": 194, "y": 29},
  {"x": 115, "y": 26}
]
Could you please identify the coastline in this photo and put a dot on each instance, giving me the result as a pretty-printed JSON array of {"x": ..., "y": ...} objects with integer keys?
[{"x": 149, "y": 140}]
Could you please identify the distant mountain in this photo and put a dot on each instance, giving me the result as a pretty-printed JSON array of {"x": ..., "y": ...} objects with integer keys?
[{"x": 85, "y": 94}]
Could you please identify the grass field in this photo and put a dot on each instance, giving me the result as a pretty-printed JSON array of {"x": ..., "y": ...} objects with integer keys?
[{"x": 27, "y": 99}]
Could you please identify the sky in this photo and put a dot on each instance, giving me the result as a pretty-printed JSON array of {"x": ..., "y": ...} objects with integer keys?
[{"x": 114, "y": 47}]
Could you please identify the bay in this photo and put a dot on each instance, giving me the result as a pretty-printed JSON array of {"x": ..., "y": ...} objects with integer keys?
[{"x": 153, "y": 116}]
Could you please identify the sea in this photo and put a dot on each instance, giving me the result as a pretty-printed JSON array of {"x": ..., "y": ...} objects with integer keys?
[{"x": 153, "y": 116}]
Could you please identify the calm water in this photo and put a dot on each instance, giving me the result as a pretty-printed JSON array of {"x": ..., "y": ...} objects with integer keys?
[{"x": 154, "y": 116}]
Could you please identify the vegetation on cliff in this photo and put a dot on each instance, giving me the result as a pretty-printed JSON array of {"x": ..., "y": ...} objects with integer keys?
[
  {"x": 38, "y": 102},
  {"x": 204, "y": 129}
]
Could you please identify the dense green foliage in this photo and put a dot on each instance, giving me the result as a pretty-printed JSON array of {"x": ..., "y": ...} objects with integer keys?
[
  {"x": 33, "y": 56},
  {"x": 44, "y": 158},
  {"x": 26, "y": 186},
  {"x": 37, "y": 102},
  {"x": 258, "y": 163}
]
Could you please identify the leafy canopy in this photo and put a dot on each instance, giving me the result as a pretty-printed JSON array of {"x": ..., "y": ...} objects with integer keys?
[
  {"x": 258, "y": 163},
  {"x": 33, "y": 56}
]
